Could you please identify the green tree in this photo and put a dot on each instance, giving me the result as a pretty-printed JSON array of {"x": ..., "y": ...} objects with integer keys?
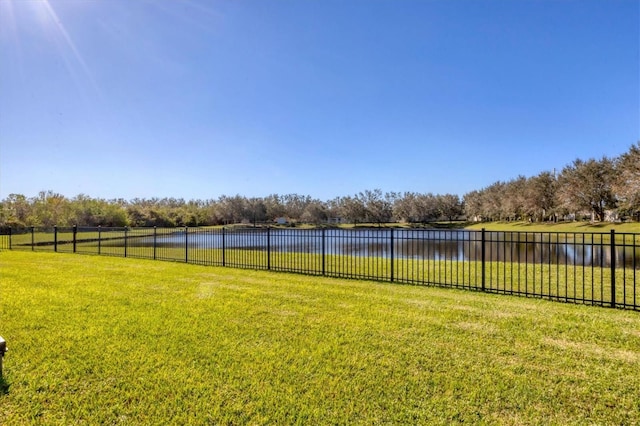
[
  {"x": 50, "y": 208},
  {"x": 16, "y": 211}
]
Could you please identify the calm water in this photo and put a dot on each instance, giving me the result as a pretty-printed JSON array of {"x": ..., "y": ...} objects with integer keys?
[{"x": 570, "y": 249}]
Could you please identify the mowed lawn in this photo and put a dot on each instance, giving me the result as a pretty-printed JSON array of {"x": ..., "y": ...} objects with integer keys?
[{"x": 98, "y": 340}]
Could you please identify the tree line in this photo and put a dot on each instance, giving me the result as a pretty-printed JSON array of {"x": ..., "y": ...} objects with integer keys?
[
  {"x": 592, "y": 188},
  {"x": 371, "y": 206}
]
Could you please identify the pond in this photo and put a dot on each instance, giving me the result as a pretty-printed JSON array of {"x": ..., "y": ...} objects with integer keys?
[{"x": 462, "y": 245}]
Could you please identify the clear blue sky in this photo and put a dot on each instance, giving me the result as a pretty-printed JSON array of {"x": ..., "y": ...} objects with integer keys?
[{"x": 200, "y": 98}]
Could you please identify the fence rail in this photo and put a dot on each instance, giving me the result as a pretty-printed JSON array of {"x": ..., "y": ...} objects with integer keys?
[{"x": 592, "y": 268}]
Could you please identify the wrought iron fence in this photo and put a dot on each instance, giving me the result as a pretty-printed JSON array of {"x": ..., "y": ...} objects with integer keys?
[{"x": 591, "y": 268}]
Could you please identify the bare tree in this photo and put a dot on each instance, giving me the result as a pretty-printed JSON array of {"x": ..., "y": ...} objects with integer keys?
[
  {"x": 587, "y": 186},
  {"x": 315, "y": 212},
  {"x": 513, "y": 202},
  {"x": 351, "y": 209},
  {"x": 378, "y": 206},
  {"x": 472, "y": 202},
  {"x": 232, "y": 209},
  {"x": 627, "y": 183},
  {"x": 493, "y": 198},
  {"x": 295, "y": 205},
  {"x": 449, "y": 206},
  {"x": 540, "y": 199},
  {"x": 404, "y": 207},
  {"x": 274, "y": 207},
  {"x": 255, "y": 210},
  {"x": 426, "y": 208}
]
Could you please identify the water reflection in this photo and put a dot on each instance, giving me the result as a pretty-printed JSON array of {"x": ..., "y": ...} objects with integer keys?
[{"x": 455, "y": 245}]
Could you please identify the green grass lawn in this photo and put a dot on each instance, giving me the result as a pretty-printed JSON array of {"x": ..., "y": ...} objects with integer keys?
[{"x": 100, "y": 340}]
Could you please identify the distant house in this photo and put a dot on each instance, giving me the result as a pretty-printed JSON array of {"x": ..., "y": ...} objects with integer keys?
[
  {"x": 611, "y": 216},
  {"x": 281, "y": 221},
  {"x": 335, "y": 220}
]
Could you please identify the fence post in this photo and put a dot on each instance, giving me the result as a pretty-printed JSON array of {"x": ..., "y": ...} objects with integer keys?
[
  {"x": 186, "y": 244},
  {"x": 33, "y": 242},
  {"x": 324, "y": 252},
  {"x": 483, "y": 258},
  {"x": 223, "y": 247},
  {"x": 3, "y": 350},
  {"x": 125, "y": 241},
  {"x": 10, "y": 232},
  {"x": 75, "y": 236},
  {"x": 99, "y": 239},
  {"x": 155, "y": 240},
  {"x": 268, "y": 248},
  {"x": 55, "y": 238},
  {"x": 391, "y": 253},
  {"x": 613, "y": 268}
]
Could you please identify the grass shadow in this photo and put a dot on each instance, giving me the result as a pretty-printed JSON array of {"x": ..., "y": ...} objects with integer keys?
[
  {"x": 454, "y": 224},
  {"x": 4, "y": 386}
]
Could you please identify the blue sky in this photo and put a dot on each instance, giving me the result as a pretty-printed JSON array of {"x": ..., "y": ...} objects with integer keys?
[{"x": 201, "y": 98}]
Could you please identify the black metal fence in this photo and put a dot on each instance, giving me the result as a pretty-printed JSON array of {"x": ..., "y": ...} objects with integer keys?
[{"x": 593, "y": 268}]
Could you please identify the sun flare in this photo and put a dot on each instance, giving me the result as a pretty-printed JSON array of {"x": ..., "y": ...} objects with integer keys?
[{"x": 19, "y": 18}]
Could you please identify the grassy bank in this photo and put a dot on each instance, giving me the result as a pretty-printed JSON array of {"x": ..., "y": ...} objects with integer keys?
[
  {"x": 630, "y": 227},
  {"x": 563, "y": 282},
  {"x": 66, "y": 236},
  {"x": 105, "y": 340}
]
